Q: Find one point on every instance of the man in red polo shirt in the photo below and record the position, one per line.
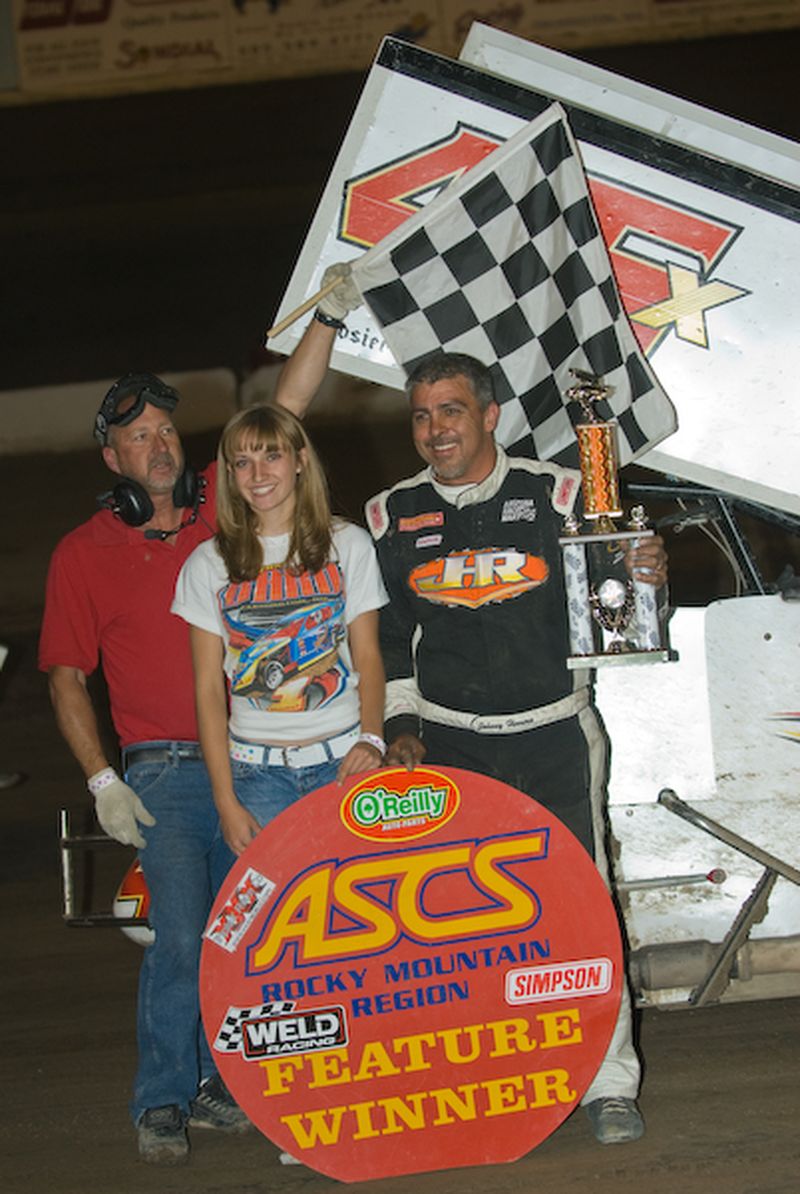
(109, 591)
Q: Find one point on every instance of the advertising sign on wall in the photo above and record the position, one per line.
(417, 971)
(65, 45)
(77, 45)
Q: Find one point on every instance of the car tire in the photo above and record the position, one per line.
(273, 675)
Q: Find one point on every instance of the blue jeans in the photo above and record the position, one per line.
(185, 862)
(266, 791)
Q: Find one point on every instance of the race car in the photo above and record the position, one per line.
(294, 643)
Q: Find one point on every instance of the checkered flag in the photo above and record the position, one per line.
(508, 265)
(229, 1037)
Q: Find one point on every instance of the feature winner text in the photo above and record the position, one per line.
(508, 1044)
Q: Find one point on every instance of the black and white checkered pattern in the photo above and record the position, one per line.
(508, 265)
(229, 1037)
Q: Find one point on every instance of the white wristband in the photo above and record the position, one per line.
(374, 740)
(101, 780)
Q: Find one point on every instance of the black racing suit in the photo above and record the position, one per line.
(475, 640)
(475, 636)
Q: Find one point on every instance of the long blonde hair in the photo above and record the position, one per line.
(270, 427)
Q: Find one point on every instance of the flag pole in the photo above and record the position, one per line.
(301, 310)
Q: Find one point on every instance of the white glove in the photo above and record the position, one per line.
(345, 297)
(119, 808)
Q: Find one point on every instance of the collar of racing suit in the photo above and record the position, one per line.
(472, 494)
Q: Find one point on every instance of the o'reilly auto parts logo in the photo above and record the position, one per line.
(399, 805)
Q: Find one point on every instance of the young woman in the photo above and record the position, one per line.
(284, 603)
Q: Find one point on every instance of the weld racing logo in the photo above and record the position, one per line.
(277, 1030)
(663, 254)
(474, 578)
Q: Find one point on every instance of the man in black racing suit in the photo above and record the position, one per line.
(475, 638)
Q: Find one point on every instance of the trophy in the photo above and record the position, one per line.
(612, 618)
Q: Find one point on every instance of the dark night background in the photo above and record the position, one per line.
(159, 230)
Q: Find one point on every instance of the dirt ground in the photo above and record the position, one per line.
(721, 1094)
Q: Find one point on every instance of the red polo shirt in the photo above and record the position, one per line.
(109, 591)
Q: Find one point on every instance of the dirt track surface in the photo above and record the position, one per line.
(721, 1094)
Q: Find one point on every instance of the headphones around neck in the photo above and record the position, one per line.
(130, 501)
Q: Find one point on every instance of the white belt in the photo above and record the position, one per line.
(293, 756)
(505, 723)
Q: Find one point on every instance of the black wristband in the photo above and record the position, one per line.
(330, 321)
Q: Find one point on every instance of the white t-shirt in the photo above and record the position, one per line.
(287, 659)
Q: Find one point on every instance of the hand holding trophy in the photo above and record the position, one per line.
(613, 618)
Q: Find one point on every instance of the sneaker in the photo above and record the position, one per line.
(162, 1136)
(213, 1107)
(615, 1120)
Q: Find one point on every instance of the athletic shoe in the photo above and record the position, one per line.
(615, 1120)
(214, 1107)
(162, 1136)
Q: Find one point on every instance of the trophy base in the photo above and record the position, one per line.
(617, 658)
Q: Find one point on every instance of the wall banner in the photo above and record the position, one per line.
(700, 215)
(75, 46)
(421, 970)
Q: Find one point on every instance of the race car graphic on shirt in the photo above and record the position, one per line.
(285, 638)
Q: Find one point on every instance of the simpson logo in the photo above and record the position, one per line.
(565, 980)
(474, 578)
(428, 541)
(420, 521)
(400, 805)
(239, 910)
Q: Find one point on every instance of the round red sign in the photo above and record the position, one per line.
(415, 972)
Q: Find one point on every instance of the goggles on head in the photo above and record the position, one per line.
(127, 398)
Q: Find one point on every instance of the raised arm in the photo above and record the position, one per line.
(304, 371)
